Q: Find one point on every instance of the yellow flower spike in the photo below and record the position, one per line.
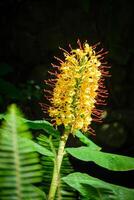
(79, 88)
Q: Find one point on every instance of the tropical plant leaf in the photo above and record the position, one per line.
(19, 164)
(95, 189)
(87, 141)
(33, 145)
(107, 160)
(44, 125)
(37, 148)
(63, 192)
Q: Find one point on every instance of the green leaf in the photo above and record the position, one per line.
(95, 189)
(39, 148)
(87, 141)
(107, 160)
(44, 125)
(19, 163)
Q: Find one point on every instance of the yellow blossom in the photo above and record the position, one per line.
(76, 89)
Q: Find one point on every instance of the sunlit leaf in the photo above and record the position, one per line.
(44, 125)
(107, 160)
(87, 141)
(95, 189)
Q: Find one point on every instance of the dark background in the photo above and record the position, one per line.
(31, 32)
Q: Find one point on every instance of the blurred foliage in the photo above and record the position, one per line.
(19, 163)
(25, 162)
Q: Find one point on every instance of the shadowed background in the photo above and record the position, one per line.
(32, 31)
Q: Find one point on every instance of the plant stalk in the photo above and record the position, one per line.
(57, 165)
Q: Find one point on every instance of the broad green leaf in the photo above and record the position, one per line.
(44, 125)
(38, 148)
(19, 163)
(107, 160)
(95, 189)
(87, 141)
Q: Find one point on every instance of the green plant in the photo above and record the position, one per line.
(39, 168)
(19, 163)
(20, 166)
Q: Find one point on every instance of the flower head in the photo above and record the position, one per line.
(78, 88)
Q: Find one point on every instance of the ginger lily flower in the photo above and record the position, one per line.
(78, 88)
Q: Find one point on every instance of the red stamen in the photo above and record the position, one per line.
(99, 51)
(51, 81)
(53, 73)
(101, 80)
(104, 53)
(43, 105)
(58, 59)
(79, 43)
(50, 84)
(105, 67)
(101, 58)
(102, 86)
(55, 66)
(48, 98)
(97, 120)
(91, 131)
(99, 103)
(103, 96)
(96, 115)
(94, 46)
(106, 75)
(70, 46)
(64, 50)
(104, 63)
(97, 112)
(102, 91)
(48, 91)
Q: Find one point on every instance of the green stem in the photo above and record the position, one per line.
(57, 165)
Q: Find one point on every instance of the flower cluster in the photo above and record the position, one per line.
(78, 88)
